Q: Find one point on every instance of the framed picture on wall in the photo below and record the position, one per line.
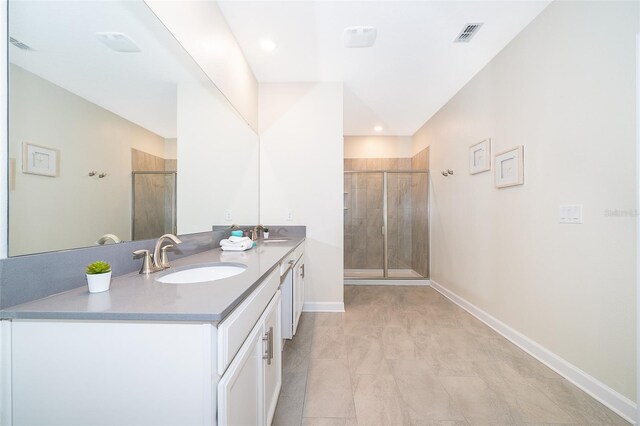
(480, 157)
(39, 160)
(509, 167)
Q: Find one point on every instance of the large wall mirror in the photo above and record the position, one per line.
(115, 133)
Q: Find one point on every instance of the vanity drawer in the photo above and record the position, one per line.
(291, 258)
(233, 331)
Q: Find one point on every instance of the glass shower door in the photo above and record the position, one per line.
(407, 238)
(364, 225)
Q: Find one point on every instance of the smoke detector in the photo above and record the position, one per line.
(468, 32)
(359, 36)
(118, 41)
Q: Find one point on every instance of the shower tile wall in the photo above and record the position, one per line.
(419, 224)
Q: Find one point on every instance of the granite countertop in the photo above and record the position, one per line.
(136, 297)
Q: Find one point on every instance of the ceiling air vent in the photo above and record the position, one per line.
(118, 42)
(359, 36)
(467, 33)
(19, 44)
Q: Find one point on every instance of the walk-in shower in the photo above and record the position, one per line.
(386, 224)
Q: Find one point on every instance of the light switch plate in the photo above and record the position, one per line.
(290, 215)
(227, 215)
(571, 213)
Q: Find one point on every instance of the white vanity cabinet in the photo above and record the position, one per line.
(292, 291)
(249, 389)
(298, 291)
(148, 372)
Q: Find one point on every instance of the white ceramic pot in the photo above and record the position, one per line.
(99, 282)
(266, 235)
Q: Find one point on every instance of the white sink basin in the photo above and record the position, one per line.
(203, 273)
(274, 241)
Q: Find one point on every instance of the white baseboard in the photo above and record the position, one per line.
(323, 307)
(617, 402)
(386, 281)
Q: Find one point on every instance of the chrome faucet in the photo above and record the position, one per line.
(160, 259)
(254, 234)
(106, 237)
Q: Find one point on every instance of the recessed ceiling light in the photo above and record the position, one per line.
(268, 45)
(377, 129)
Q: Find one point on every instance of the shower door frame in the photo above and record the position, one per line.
(385, 216)
(174, 215)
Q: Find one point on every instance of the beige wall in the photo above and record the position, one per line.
(301, 171)
(377, 147)
(565, 89)
(73, 209)
(217, 162)
(204, 33)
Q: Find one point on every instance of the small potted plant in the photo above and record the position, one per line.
(98, 276)
(265, 232)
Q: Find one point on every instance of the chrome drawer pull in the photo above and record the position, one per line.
(266, 338)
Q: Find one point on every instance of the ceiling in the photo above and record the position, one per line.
(413, 69)
(141, 87)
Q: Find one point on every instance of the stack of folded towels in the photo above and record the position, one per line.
(236, 244)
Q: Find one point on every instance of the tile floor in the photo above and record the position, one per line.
(408, 356)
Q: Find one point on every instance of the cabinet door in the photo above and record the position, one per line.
(240, 400)
(298, 292)
(273, 364)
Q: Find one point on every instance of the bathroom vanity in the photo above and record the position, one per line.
(147, 352)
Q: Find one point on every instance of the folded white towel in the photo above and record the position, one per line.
(245, 244)
(231, 241)
(238, 239)
(242, 247)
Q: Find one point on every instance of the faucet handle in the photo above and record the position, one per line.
(164, 260)
(146, 261)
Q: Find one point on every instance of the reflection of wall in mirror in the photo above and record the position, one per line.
(73, 210)
(218, 168)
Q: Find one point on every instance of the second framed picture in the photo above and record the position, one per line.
(510, 167)
(480, 157)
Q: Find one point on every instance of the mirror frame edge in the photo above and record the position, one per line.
(4, 151)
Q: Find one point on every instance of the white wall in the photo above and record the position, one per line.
(565, 89)
(301, 170)
(202, 30)
(89, 138)
(217, 162)
(378, 147)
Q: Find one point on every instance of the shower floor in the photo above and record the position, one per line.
(379, 273)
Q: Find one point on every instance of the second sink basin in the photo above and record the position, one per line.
(203, 273)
